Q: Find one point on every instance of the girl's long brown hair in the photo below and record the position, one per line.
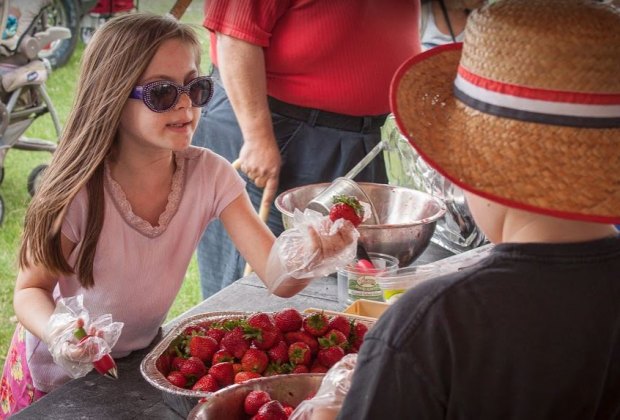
(112, 64)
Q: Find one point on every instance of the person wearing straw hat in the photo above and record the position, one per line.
(525, 116)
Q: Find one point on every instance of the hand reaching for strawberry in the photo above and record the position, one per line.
(316, 246)
(328, 246)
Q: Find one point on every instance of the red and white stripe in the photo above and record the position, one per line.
(578, 109)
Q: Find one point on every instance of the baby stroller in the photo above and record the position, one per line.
(23, 97)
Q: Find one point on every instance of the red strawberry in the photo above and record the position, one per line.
(203, 347)
(207, 383)
(341, 324)
(299, 353)
(318, 368)
(272, 410)
(278, 353)
(255, 400)
(177, 362)
(216, 333)
(222, 356)
(288, 409)
(193, 367)
(272, 370)
(246, 376)
(348, 208)
(288, 319)
(176, 378)
(356, 338)
(163, 363)
(300, 369)
(260, 320)
(316, 324)
(193, 330)
(333, 338)
(237, 367)
(329, 356)
(235, 343)
(267, 337)
(223, 373)
(255, 360)
(304, 337)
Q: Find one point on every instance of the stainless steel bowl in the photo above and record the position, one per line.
(228, 402)
(406, 217)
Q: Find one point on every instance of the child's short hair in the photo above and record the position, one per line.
(525, 112)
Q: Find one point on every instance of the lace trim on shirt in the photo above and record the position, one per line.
(124, 207)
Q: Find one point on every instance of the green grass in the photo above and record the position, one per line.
(18, 165)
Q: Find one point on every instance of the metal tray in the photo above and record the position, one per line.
(184, 400)
(180, 400)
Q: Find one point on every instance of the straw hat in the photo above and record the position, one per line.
(532, 118)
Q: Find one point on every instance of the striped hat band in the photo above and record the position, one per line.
(573, 109)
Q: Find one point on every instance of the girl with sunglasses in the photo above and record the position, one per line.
(125, 200)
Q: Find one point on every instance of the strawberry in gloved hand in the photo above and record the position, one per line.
(315, 246)
(106, 364)
(349, 208)
(78, 343)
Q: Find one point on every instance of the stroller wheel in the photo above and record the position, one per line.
(1, 210)
(34, 179)
(1, 174)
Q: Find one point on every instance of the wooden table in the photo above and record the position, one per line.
(131, 397)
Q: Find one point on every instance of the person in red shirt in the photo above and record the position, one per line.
(306, 93)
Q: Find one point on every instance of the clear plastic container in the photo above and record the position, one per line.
(356, 282)
(394, 284)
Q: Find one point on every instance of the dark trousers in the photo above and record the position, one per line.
(310, 154)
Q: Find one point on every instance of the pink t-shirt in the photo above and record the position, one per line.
(138, 268)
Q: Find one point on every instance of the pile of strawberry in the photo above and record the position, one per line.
(259, 405)
(215, 354)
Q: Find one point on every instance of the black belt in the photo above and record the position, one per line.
(327, 119)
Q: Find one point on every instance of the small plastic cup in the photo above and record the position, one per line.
(397, 282)
(357, 282)
(342, 186)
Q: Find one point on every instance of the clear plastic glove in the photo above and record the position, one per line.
(328, 400)
(76, 355)
(314, 247)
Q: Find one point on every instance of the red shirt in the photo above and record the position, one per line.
(334, 55)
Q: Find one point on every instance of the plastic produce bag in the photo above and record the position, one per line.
(314, 247)
(328, 400)
(74, 355)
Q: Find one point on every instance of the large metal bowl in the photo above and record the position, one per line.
(227, 403)
(406, 217)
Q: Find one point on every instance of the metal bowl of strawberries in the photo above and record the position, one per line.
(212, 351)
(267, 397)
(406, 218)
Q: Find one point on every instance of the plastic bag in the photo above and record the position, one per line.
(457, 230)
(328, 400)
(74, 355)
(301, 254)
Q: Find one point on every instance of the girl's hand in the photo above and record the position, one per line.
(323, 247)
(313, 248)
(75, 341)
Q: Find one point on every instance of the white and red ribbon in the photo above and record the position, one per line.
(575, 109)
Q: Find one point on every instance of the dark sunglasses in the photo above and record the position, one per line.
(163, 95)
